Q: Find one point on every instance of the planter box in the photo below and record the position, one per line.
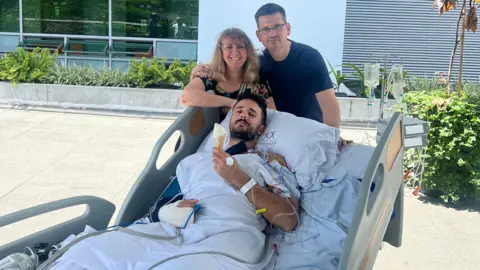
(92, 97)
(141, 99)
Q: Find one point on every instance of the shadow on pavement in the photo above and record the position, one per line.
(472, 205)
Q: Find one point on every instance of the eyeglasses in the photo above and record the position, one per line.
(275, 28)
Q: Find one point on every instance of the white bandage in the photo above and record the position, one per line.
(249, 185)
(229, 161)
(174, 215)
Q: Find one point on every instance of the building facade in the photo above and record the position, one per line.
(410, 32)
(102, 32)
(112, 32)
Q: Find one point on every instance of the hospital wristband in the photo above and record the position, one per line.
(249, 185)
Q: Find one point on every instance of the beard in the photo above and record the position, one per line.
(244, 134)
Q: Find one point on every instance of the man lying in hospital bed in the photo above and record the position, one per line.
(234, 194)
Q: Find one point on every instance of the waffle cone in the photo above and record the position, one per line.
(218, 142)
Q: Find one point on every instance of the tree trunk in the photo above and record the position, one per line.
(462, 41)
(452, 57)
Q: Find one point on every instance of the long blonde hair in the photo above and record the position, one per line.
(251, 65)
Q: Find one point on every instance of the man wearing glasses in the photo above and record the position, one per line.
(295, 73)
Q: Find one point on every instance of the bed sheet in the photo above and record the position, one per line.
(325, 216)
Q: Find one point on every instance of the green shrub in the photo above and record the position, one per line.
(146, 73)
(452, 159)
(110, 77)
(23, 66)
(414, 83)
(181, 73)
(472, 90)
(80, 75)
(139, 74)
(40, 67)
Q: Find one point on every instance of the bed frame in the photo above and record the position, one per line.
(372, 223)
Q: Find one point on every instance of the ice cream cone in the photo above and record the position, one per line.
(218, 142)
(219, 135)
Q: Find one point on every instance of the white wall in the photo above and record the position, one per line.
(318, 23)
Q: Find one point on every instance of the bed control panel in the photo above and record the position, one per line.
(415, 130)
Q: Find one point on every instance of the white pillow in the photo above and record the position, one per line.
(355, 158)
(309, 147)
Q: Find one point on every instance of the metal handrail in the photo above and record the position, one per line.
(106, 37)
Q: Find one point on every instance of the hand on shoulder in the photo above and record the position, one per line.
(201, 71)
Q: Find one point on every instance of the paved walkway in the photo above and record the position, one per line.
(46, 156)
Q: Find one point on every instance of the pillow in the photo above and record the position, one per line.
(309, 147)
(355, 158)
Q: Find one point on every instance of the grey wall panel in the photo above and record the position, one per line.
(410, 29)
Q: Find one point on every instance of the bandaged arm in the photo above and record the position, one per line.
(281, 212)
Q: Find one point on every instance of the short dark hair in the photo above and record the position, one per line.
(261, 102)
(270, 9)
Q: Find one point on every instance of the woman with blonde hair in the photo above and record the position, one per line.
(234, 69)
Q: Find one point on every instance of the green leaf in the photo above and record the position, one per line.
(359, 73)
(452, 158)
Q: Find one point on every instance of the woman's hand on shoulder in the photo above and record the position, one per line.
(202, 71)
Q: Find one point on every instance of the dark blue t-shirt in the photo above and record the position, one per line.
(295, 81)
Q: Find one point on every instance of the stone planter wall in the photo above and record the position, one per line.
(90, 97)
(139, 99)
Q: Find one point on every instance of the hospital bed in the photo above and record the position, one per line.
(378, 215)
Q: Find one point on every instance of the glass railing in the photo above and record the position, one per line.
(131, 49)
(8, 43)
(86, 47)
(96, 51)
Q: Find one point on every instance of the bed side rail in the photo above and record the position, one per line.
(97, 215)
(194, 125)
(373, 213)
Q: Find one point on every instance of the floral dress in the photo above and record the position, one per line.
(258, 89)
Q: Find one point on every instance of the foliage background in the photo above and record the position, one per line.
(40, 67)
(452, 157)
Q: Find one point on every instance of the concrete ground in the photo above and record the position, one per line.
(50, 155)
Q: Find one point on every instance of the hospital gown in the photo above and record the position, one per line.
(226, 223)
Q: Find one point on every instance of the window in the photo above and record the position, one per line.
(9, 16)
(74, 17)
(8, 43)
(172, 19)
(131, 49)
(88, 47)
